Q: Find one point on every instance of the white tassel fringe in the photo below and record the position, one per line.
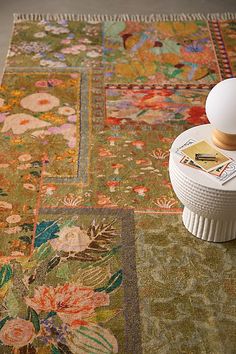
(125, 17)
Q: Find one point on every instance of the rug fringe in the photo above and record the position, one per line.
(125, 17)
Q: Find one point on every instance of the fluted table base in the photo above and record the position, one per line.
(215, 230)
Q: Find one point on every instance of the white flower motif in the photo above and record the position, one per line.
(13, 230)
(13, 219)
(40, 35)
(5, 205)
(20, 123)
(40, 102)
(60, 30)
(24, 166)
(11, 53)
(52, 64)
(93, 54)
(56, 30)
(25, 157)
(71, 239)
(66, 111)
(29, 186)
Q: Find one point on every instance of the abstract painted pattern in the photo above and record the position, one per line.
(94, 257)
(159, 52)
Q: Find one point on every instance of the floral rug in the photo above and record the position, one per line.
(94, 257)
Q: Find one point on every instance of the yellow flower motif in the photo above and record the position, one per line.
(5, 108)
(58, 120)
(16, 93)
(62, 85)
(135, 69)
(13, 101)
(47, 115)
(17, 141)
(71, 152)
(72, 82)
(51, 117)
(72, 159)
(179, 29)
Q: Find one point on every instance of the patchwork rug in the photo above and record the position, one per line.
(93, 256)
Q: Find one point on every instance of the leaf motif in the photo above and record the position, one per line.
(34, 318)
(5, 274)
(113, 283)
(2, 193)
(112, 29)
(55, 350)
(53, 263)
(45, 231)
(142, 112)
(26, 239)
(93, 277)
(27, 227)
(43, 252)
(103, 316)
(12, 304)
(103, 235)
(27, 349)
(63, 271)
(92, 339)
(3, 321)
(35, 173)
(63, 348)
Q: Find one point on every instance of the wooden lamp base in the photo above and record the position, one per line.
(223, 140)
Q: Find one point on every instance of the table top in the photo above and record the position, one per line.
(202, 132)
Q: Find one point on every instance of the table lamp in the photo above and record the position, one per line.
(221, 112)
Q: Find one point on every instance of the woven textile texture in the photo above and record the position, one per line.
(93, 255)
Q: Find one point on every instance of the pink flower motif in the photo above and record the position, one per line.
(17, 333)
(72, 118)
(41, 83)
(74, 75)
(2, 117)
(73, 304)
(72, 142)
(65, 41)
(54, 130)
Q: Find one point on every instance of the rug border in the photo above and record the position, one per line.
(124, 17)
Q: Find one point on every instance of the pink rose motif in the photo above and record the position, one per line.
(17, 333)
(41, 83)
(74, 304)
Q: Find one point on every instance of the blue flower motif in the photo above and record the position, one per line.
(194, 47)
(62, 22)
(59, 56)
(71, 36)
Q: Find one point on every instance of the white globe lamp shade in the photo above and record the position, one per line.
(221, 112)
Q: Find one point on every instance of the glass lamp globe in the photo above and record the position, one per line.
(221, 112)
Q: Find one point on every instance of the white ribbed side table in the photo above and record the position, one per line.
(209, 208)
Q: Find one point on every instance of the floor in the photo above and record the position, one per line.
(8, 7)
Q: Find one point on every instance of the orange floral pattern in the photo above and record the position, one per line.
(73, 304)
